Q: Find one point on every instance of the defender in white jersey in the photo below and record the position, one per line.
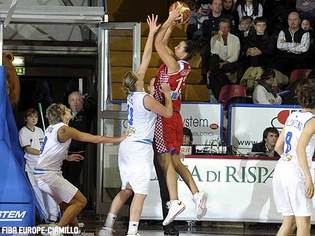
(135, 156)
(54, 150)
(31, 137)
(292, 181)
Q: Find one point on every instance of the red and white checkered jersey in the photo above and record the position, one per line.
(177, 82)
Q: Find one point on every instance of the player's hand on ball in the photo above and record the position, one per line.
(175, 14)
(75, 157)
(183, 9)
(152, 23)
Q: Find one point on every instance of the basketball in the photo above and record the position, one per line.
(184, 10)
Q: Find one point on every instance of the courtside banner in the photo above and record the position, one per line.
(238, 190)
(204, 120)
(248, 121)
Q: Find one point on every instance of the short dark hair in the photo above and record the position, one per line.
(225, 20)
(268, 130)
(244, 18)
(187, 132)
(30, 112)
(260, 19)
(267, 74)
(308, 19)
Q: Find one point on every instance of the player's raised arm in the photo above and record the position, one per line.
(147, 53)
(166, 38)
(168, 59)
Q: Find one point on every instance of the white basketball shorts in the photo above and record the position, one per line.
(289, 190)
(56, 186)
(135, 161)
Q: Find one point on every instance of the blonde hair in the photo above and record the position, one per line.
(129, 82)
(55, 112)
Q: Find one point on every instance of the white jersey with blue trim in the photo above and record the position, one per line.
(34, 139)
(53, 152)
(141, 121)
(294, 126)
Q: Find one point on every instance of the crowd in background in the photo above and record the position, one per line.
(254, 43)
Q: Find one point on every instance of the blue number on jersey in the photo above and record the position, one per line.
(130, 115)
(288, 138)
(43, 145)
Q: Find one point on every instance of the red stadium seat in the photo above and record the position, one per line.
(229, 91)
(298, 73)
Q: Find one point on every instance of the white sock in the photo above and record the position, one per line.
(133, 227)
(175, 201)
(110, 220)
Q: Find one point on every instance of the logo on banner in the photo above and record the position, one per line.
(195, 122)
(200, 127)
(279, 121)
(231, 174)
(214, 126)
(12, 215)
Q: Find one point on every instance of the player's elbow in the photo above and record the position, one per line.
(168, 114)
(158, 43)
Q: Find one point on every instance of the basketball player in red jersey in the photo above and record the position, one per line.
(169, 131)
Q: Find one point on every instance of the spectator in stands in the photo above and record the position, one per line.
(225, 49)
(251, 8)
(306, 8)
(293, 44)
(209, 28)
(267, 145)
(229, 9)
(225, 45)
(83, 110)
(276, 12)
(228, 6)
(244, 27)
(306, 25)
(259, 46)
(264, 92)
(197, 16)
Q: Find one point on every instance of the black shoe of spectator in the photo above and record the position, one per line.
(170, 230)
